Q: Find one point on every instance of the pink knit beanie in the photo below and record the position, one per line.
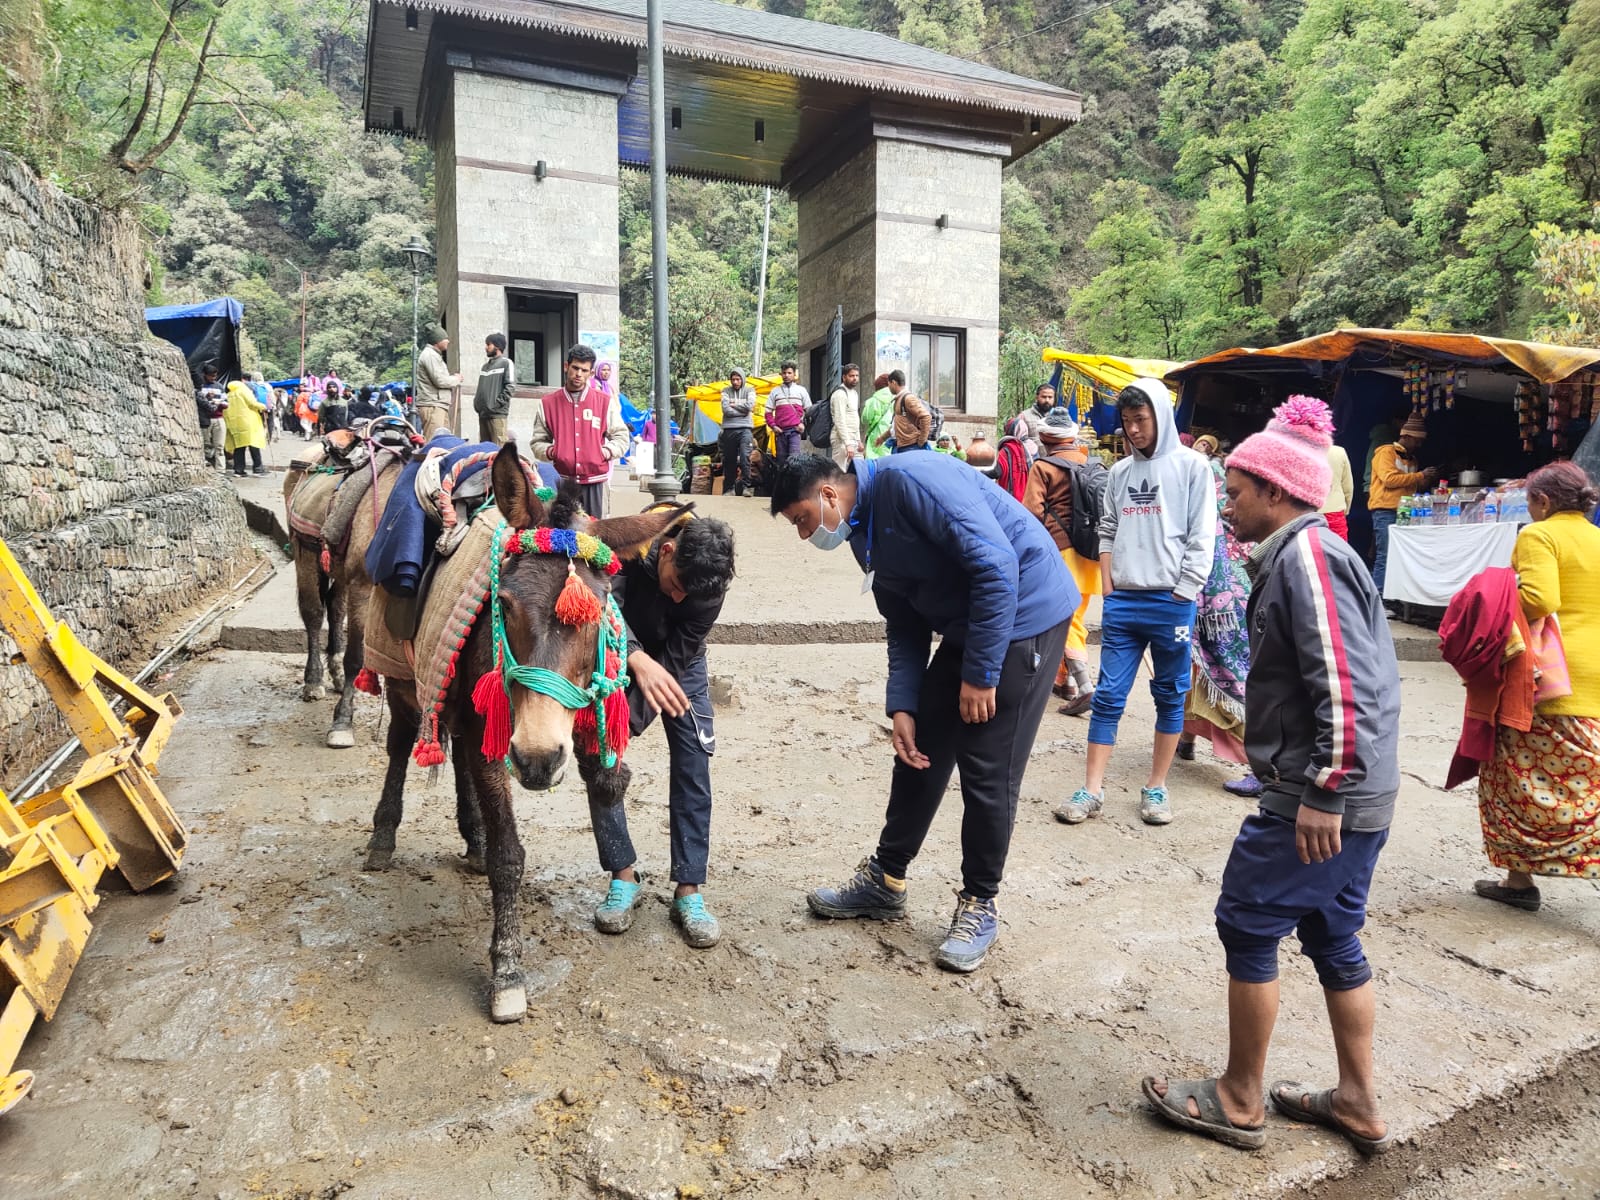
(1292, 451)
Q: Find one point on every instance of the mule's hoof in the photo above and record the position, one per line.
(341, 739)
(472, 861)
(311, 693)
(378, 860)
(509, 1004)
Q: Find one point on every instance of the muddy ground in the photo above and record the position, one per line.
(275, 1022)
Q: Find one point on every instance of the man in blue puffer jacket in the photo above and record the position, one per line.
(945, 551)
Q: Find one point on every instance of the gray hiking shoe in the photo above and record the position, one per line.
(1153, 806)
(700, 928)
(1083, 805)
(972, 934)
(615, 912)
(864, 894)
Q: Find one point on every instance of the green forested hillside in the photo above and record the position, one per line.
(1245, 172)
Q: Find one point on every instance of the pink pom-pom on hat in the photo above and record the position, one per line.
(1292, 451)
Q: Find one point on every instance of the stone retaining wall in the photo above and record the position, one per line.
(103, 495)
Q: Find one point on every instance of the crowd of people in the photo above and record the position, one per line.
(1250, 594)
(1228, 577)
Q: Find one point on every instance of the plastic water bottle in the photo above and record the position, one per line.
(1402, 511)
(1491, 507)
(1453, 508)
(1422, 510)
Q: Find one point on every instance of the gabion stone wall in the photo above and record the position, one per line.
(103, 494)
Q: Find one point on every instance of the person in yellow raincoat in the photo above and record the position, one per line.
(246, 425)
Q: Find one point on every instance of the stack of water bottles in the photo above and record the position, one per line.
(1449, 506)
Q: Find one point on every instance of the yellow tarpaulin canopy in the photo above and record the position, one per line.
(1111, 370)
(1546, 363)
(707, 397)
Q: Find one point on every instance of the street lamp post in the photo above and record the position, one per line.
(665, 484)
(418, 255)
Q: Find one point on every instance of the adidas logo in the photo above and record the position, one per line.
(1144, 492)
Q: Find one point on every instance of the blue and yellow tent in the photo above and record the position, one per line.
(1088, 383)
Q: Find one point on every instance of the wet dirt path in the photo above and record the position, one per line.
(275, 1022)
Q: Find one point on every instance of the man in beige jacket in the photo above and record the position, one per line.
(434, 383)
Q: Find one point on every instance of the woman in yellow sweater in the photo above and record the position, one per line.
(1539, 797)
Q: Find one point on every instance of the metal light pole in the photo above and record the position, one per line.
(665, 484)
(761, 292)
(418, 255)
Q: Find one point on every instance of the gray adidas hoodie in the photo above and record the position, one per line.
(1160, 515)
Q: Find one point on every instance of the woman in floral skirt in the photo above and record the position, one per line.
(1539, 797)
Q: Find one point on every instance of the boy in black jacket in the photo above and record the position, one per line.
(670, 599)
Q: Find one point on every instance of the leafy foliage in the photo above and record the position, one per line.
(1246, 171)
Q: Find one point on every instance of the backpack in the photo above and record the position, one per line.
(1088, 484)
(818, 425)
(935, 421)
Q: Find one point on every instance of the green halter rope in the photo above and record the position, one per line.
(611, 637)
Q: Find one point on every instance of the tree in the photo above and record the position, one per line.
(1567, 267)
(174, 51)
(1135, 304)
(1226, 120)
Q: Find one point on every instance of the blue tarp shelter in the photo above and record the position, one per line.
(207, 333)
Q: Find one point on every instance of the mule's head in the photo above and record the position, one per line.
(541, 727)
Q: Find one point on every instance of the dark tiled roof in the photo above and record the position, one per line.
(753, 38)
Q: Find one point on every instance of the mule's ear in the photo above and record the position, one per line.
(629, 537)
(513, 490)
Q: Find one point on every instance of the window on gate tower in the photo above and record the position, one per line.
(938, 366)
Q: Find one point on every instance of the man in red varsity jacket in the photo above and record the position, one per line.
(579, 429)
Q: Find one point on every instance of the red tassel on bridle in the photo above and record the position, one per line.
(494, 706)
(325, 561)
(577, 605)
(367, 681)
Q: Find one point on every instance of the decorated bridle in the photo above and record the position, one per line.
(601, 723)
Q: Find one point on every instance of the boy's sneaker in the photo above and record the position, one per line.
(700, 928)
(972, 934)
(615, 914)
(1153, 806)
(1083, 805)
(864, 894)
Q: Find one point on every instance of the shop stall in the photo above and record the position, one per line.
(1494, 408)
(1088, 385)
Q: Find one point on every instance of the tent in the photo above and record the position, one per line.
(208, 334)
(1466, 386)
(706, 413)
(1089, 383)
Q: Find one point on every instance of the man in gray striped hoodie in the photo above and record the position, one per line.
(1322, 716)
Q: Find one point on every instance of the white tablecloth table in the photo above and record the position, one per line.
(1428, 564)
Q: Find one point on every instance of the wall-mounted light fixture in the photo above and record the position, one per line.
(411, 16)
(944, 221)
(677, 117)
(398, 124)
(761, 131)
(1033, 126)
(540, 170)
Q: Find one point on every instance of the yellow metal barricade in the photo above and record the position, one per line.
(55, 847)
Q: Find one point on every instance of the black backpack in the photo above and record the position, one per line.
(1088, 483)
(818, 426)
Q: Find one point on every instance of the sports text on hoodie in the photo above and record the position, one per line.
(1160, 518)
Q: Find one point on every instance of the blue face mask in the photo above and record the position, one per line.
(824, 538)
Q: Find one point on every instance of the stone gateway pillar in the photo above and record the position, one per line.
(905, 234)
(526, 194)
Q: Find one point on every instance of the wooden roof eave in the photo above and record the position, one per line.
(740, 52)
